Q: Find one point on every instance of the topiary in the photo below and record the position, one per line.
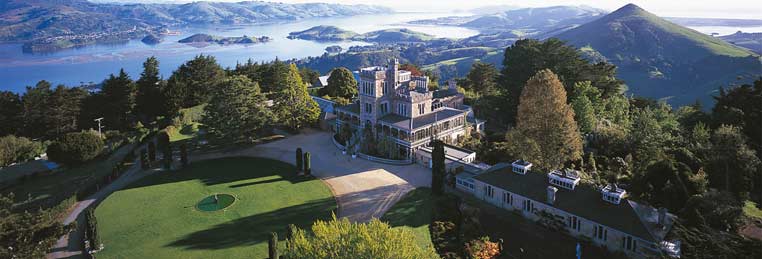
(299, 159)
(307, 163)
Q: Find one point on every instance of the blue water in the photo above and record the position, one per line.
(94, 63)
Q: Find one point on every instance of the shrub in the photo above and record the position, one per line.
(162, 139)
(184, 155)
(299, 159)
(307, 163)
(482, 248)
(91, 229)
(18, 149)
(151, 151)
(76, 147)
(144, 159)
(272, 246)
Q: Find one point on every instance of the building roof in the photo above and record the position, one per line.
(452, 152)
(585, 201)
(323, 81)
(326, 105)
(403, 122)
(353, 108)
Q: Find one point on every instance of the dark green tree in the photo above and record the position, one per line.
(272, 246)
(167, 154)
(192, 83)
(526, 57)
(64, 110)
(482, 78)
(11, 113)
(341, 83)
(91, 229)
(237, 110)
(149, 97)
(740, 106)
(119, 100)
(299, 159)
(36, 102)
(437, 167)
(732, 164)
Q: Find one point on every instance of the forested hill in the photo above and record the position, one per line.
(660, 59)
(23, 20)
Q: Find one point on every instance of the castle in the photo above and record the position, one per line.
(397, 105)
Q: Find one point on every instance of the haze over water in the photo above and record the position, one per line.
(94, 63)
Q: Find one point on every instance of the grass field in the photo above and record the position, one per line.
(413, 212)
(156, 217)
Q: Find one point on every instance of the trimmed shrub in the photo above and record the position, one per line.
(75, 147)
(162, 139)
(299, 158)
(167, 157)
(151, 151)
(307, 163)
(184, 155)
(91, 229)
(144, 159)
(272, 246)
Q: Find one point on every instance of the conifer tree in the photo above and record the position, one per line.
(437, 167)
(119, 99)
(237, 110)
(293, 104)
(545, 118)
(149, 98)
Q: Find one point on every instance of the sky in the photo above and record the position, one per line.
(741, 9)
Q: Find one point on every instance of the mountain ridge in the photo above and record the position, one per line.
(660, 59)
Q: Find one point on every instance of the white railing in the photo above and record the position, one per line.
(385, 161)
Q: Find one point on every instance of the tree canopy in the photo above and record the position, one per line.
(294, 107)
(237, 109)
(341, 83)
(149, 98)
(546, 119)
(341, 239)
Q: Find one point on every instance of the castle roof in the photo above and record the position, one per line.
(423, 121)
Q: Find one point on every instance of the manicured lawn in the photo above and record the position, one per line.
(750, 209)
(157, 216)
(413, 212)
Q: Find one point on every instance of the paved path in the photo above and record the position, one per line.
(363, 189)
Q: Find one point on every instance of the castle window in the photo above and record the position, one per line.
(573, 223)
(507, 198)
(528, 206)
(384, 108)
(601, 232)
(489, 191)
(629, 243)
(368, 108)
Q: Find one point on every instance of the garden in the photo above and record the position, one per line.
(224, 208)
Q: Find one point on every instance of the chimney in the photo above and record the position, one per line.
(662, 217)
(552, 194)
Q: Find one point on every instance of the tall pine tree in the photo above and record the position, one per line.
(11, 111)
(545, 118)
(149, 98)
(119, 97)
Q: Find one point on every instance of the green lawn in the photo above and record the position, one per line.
(750, 209)
(49, 190)
(413, 212)
(156, 217)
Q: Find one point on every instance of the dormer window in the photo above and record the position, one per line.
(613, 194)
(521, 166)
(567, 179)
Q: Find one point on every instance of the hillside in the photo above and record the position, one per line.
(660, 59)
(752, 41)
(206, 38)
(333, 33)
(323, 33)
(528, 20)
(27, 20)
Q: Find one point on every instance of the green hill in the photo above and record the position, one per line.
(660, 59)
(394, 36)
(323, 33)
(333, 33)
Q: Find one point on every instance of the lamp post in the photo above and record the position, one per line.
(99, 126)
